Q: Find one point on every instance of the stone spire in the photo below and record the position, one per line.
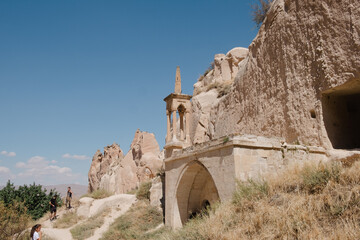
(177, 81)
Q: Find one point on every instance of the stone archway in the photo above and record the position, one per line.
(196, 189)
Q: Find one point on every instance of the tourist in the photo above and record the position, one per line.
(68, 198)
(35, 233)
(53, 204)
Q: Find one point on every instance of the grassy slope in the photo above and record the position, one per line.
(313, 202)
(136, 223)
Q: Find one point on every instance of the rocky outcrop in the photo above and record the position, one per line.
(222, 71)
(90, 207)
(210, 88)
(117, 173)
(157, 192)
(300, 80)
(101, 163)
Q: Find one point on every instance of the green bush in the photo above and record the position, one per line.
(34, 198)
(144, 191)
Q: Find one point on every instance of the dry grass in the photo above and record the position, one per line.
(67, 220)
(86, 229)
(98, 194)
(312, 202)
(144, 191)
(136, 223)
(222, 88)
(13, 220)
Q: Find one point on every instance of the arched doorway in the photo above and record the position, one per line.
(195, 190)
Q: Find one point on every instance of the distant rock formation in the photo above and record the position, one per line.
(117, 173)
(300, 80)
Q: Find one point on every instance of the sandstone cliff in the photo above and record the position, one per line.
(300, 80)
(117, 173)
(214, 84)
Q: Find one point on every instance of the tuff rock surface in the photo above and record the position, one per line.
(304, 51)
(117, 173)
(211, 87)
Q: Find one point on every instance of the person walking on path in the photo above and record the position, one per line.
(35, 233)
(53, 205)
(68, 198)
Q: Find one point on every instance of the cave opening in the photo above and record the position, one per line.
(341, 114)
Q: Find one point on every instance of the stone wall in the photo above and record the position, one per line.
(207, 172)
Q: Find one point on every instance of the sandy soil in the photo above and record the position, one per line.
(64, 234)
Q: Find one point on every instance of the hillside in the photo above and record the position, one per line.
(77, 189)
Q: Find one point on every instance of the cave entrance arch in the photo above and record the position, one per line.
(195, 191)
(341, 114)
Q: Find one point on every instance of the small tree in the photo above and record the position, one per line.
(33, 197)
(13, 220)
(260, 10)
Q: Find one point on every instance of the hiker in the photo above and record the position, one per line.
(53, 204)
(68, 198)
(35, 233)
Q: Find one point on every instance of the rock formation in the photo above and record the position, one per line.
(211, 87)
(300, 80)
(117, 173)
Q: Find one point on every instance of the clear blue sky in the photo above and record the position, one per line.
(76, 76)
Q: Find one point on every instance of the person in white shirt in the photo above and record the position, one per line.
(35, 233)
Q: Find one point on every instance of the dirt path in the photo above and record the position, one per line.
(115, 213)
(58, 233)
(64, 233)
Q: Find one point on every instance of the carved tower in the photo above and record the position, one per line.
(178, 105)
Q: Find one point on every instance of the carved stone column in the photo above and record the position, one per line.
(181, 114)
(187, 127)
(168, 116)
(174, 125)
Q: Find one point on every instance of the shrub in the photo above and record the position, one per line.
(144, 191)
(13, 220)
(222, 88)
(99, 194)
(33, 197)
(250, 190)
(315, 179)
(260, 10)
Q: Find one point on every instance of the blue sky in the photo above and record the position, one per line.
(77, 75)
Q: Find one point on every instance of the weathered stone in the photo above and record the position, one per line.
(90, 207)
(299, 83)
(118, 174)
(225, 68)
(300, 78)
(156, 192)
